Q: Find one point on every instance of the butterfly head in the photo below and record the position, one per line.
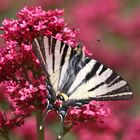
(61, 97)
(79, 48)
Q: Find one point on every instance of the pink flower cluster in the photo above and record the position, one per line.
(26, 97)
(6, 123)
(94, 112)
(33, 22)
(22, 81)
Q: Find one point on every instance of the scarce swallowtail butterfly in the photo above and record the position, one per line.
(75, 79)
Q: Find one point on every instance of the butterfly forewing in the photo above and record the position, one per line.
(52, 54)
(92, 80)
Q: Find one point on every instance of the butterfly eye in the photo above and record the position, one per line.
(60, 97)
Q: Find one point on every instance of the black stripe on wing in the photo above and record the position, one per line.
(111, 78)
(116, 80)
(64, 53)
(93, 71)
(113, 97)
(53, 45)
(103, 69)
(49, 45)
(97, 86)
(61, 46)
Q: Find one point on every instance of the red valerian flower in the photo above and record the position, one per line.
(9, 121)
(94, 111)
(32, 22)
(26, 97)
(106, 130)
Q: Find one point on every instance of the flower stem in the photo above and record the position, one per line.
(39, 118)
(5, 135)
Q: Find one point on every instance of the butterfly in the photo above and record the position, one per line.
(75, 79)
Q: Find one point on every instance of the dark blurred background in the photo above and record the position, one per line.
(111, 31)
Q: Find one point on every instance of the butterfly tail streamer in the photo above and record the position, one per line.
(63, 129)
(45, 116)
(61, 133)
(43, 122)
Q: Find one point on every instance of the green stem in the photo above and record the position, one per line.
(5, 135)
(39, 118)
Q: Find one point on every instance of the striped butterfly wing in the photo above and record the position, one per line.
(86, 79)
(52, 54)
